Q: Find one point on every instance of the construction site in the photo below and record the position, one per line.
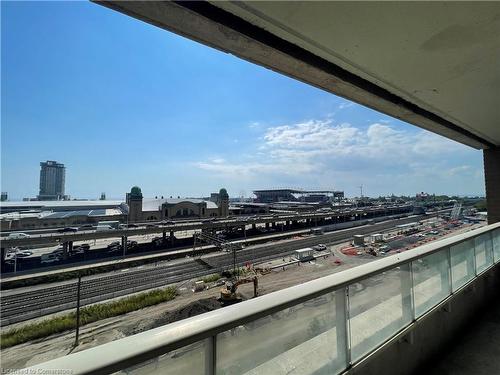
(240, 280)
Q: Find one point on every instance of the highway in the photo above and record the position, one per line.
(20, 305)
(157, 228)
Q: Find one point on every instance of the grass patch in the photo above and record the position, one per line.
(88, 315)
(211, 278)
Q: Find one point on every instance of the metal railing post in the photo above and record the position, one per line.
(450, 280)
(342, 324)
(211, 355)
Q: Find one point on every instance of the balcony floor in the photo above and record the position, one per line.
(477, 352)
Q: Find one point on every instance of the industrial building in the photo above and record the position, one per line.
(55, 214)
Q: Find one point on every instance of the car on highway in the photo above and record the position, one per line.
(132, 226)
(86, 227)
(17, 236)
(68, 230)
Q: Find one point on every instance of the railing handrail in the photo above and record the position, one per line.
(141, 347)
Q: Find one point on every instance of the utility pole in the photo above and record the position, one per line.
(78, 309)
(361, 191)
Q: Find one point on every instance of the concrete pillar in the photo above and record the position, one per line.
(172, 237)
(245, 231)
(164, 236)
(65, 250)
(273, 224)
(267, 225)
(254, 227)
(492, 183)
(124, 245)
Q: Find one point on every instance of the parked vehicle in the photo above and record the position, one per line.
(167, 222)
(159, 241)
(103, 228)
(49, 258)
(131, 244)
(77, 251)
(68, 230)
(115, 249)
(18, 235)
(319, 247)
(84, 246)
(113, 244)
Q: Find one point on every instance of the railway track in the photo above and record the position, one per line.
(27, 305)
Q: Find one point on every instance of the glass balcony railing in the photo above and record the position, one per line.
(319, 327)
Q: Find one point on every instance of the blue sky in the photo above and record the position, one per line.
(123, 103)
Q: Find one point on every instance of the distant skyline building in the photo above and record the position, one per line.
(52, 180)
(4, 196)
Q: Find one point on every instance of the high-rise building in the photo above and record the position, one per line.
(52, 178)
(4, 196)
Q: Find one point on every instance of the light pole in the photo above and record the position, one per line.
(78, 310)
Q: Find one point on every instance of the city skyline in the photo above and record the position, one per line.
(116, 122)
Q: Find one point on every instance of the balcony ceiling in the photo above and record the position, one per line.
(433, 64)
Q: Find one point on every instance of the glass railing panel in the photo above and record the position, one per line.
(496, 244)
(190, 359)
(431, 281)
(303, 338)
(462, 263)
(484, 252)
(379, 307)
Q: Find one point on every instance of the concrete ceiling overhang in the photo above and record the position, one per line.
(432, 64)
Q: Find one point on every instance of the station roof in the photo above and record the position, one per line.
(61, 214)
(58, 205)
(431, 64)
(153, 204)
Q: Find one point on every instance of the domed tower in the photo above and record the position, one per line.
(223, 203)
(134, 202)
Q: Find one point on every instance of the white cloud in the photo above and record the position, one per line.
(345, 105)
(255, 125)
(318, 150)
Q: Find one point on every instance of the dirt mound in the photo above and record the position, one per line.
(194, 308)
